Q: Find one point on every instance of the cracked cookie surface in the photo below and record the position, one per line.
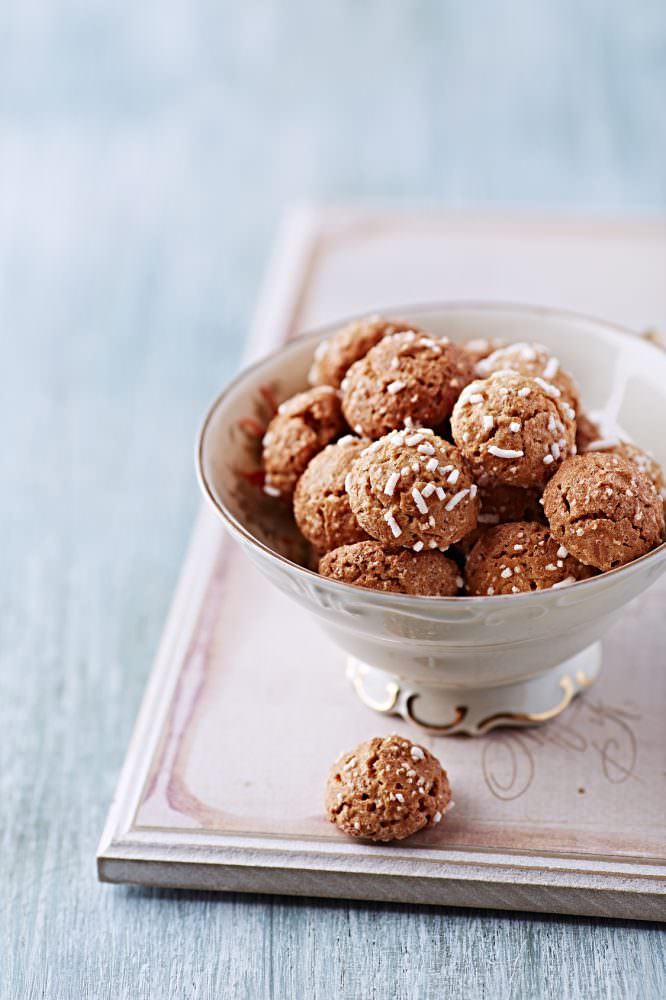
(603, 510)
(392, 569)
(408, 378)
(385, 789)
(513, 429)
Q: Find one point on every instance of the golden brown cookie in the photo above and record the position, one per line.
(513, 429)
(378, 566)
(603, 510)
(386, 789)
(643, 460)
(321, 504)
(412, 488)
(335, 355)
(518, 558)
(533, 360)
(407, 378)
(303, 425)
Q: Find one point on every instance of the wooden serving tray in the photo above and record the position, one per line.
(248, 702)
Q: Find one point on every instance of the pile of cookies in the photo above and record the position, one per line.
(421, 466)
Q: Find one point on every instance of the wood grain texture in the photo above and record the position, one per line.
(145, 153)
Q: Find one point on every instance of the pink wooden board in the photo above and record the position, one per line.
(248, 703)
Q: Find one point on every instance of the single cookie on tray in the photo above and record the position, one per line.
(303, 425)
(321, 505)
(335, 355)
(604, 510)
(513, 429)
(378, 566)
(533, 360)
(387, 788)
(412, 488)
(407, 378)
(520, 557)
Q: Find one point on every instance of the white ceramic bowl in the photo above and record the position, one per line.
(448, 664)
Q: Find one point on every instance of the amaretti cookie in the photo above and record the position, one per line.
(520, 557)
(378, 566)
(513, 429)
(321, 505)
(335, 355)
(386, 789)
(412, 488)
(406, 378)
(603, 510)
(643, 460)
(533, 360)
(303, 425)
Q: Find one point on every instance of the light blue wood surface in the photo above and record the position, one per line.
(146, 151)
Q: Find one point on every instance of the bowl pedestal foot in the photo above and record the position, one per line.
(476, 710)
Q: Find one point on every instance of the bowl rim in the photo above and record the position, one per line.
(452, 305)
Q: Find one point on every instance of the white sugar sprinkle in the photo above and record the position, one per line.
(506, 572)
(525, 391)
(547, 387)
(348, 482)
(504, 452)
(490, 591)
(473, 490)
(396, 530)
(347, 439)
(391, 483)
(475, 397)
(518, 548)
(399, 797)
(440, 492)
(488, 422)
(579, 531)
(555, 450)
(547, 459)
(419, 501)
(358, 429)
(404, 471)
(396, 386)
(417, 546)
(431, 465)
(551, 567)
(272, 491)
(514, 426)
(414, 439)
(428, 490)
(417, 753)
(455, 499)
(551, 369)
(426, 448)
(453, 477)
(416, 467)
(562, 552)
